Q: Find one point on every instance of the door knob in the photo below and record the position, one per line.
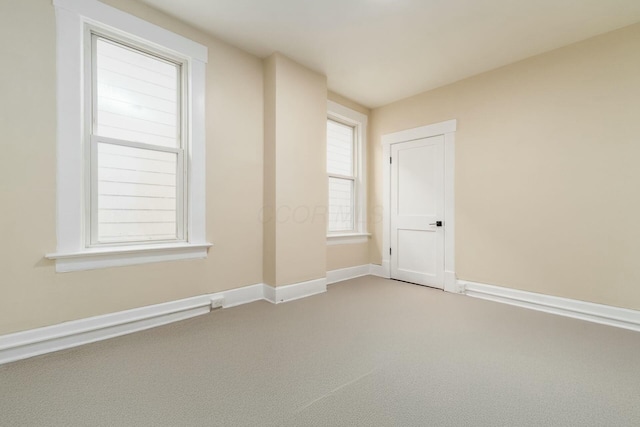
(437, 223)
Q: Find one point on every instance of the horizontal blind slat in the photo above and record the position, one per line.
(137, 229)
(136, 203)
(114, 175)
(131, 216)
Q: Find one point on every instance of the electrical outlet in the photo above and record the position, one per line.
(217, 302)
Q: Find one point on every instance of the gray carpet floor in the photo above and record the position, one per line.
(369, 352)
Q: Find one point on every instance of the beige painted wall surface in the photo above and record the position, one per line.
(347, 255)
(547, 170)
(300, 174)
(344, 256)
(269, 198)
(31, 293)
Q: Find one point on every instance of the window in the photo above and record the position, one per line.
(130, 140)
(346, 208)
(342, 178)
(136, 145)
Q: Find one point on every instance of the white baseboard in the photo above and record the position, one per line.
(243, 295)
(598, 313)
(335, 276)
(380, 270)
(451, 284)
(269, 293)
(296, 291)
(34, 342)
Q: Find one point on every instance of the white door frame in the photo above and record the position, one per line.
(447, 129)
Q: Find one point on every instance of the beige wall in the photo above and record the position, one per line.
(31, 293)
(347, 255)
(269, 198)
(296, 102)
(547, 170)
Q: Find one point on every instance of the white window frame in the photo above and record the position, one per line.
(92, 34)
(347, 116)
(74, 18)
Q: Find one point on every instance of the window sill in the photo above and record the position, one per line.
(347, 238)
(95, 258)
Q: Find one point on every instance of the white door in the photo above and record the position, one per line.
(417, 211)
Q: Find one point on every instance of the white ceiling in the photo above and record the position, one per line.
(379, 51)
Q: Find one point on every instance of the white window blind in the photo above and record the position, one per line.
(341, 174)
(137, 154)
